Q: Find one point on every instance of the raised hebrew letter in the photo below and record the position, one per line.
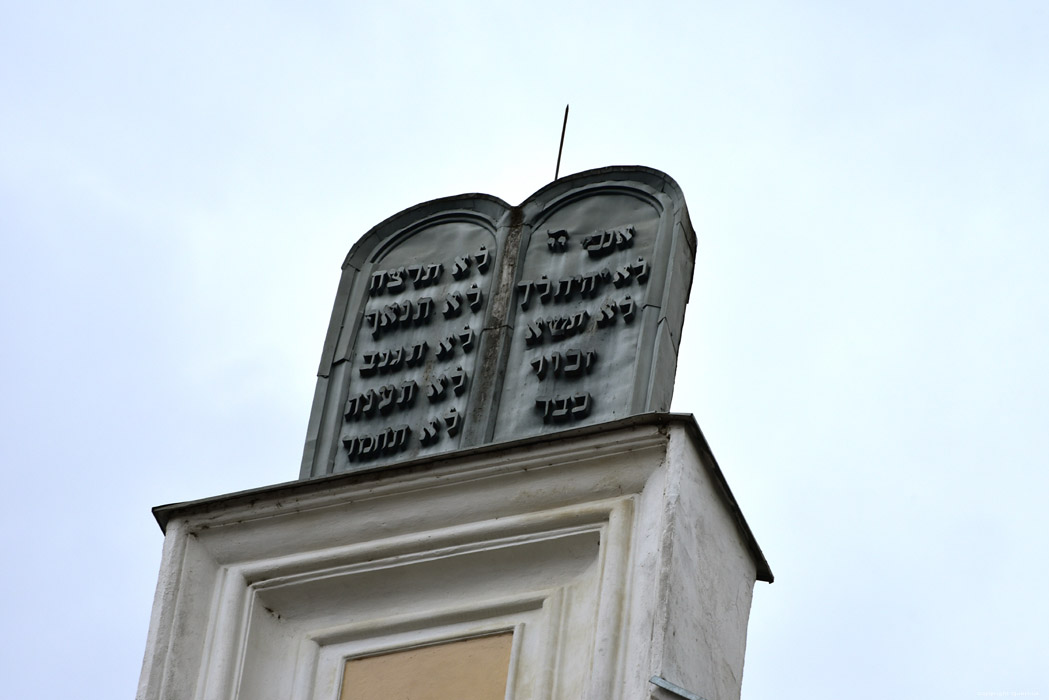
(474, 297)
(453, 422)
(544, 288)
(386, 395)
(535, 332)
(458, 381)
(607, 314)
(466, 339)
(406, 395)
(453, 305)
(524, 293)
(446, 348)
(483, 259)
(417, 354)
(626, 307)
(396, 280)
(557, 241)
(461, 268)
(564, 408)
(431, 432)
(570, 364)
(640, 270)
(435, 392)
(423, 309)
(622, 276)
(378, 283)
(369, 364)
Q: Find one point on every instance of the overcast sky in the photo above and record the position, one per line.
(865, 346)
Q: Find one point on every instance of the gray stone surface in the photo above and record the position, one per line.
(464, 321)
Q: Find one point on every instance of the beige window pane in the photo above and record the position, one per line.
(468, 669)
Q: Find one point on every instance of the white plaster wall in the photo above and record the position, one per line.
(611, 555)
(708, 583)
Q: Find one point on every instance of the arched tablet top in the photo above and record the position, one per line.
(566, 189)
(656, 179)
(487, 210)
(389, 243)
(494, 208)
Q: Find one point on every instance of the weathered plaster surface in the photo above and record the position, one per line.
(611, 553)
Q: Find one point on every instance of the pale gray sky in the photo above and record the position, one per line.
(865, 347)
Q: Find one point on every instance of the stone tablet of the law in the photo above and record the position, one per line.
(465, 321)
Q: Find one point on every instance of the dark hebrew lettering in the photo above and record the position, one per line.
(578, 362)
(386, 395)
(414, 272)
(640, 270)
(417, 354)
(394, 316)
(622, 276)
(563, 289)
(564, 408)
(626, 274)
(369, 445)
(385, 321)
(610, 309)
(474, 297)
(534, 332)
(557, 241)
(406, 394)
(483, 260)
(458, 380)
(390, 361)
(602, 243)
(384, 400)
(397, 438)
(453, 422)
(466, 339)
(377, 283)
(360, 405)
(423, 310)
(396, 280)
(369, 401)
(544, 288)
(453, 305)
(461, 267)
(352, 445)
(563, 327)
(365, 447)
(435, 392)
(525, 292)
(403, 313)
(369, 364)
(606, 314)
(425, 275)
(446, 348)
(626, 307)
(571, 363)
(353, 408)
(431, 431)
(586, 286)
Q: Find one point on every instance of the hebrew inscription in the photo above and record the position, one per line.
(465, 320)
(419, 325)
